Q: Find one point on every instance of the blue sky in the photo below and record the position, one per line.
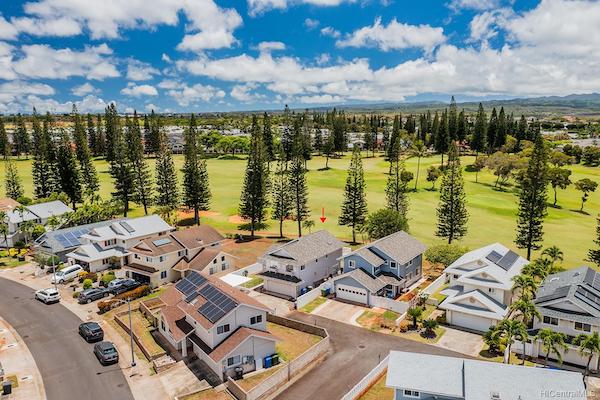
(222, 55)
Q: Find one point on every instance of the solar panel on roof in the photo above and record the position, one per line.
(211, 312)
(558, 293)
(127, 227)
(508, 260)
(588, 297)
(161, 242)
(494, 256)
(192, 296)
(217, 303)
(186, 287)
(196, 278)
(592, 278)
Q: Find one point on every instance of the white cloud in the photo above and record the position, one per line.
(331, 32)
(6, 59)
(7, 30)
(134, 90)
(311, 24)
(82, 90)
(323, 58)
(42, 61)
(149, 107)
(395, 36)
(257, 7)
(246, 92)
(266, 47)
(165, 57)
(169, 84)
(185, 95)
(140, 71)
(61, 26)
(479, 5)
(208, 25)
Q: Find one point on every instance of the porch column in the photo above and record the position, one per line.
(184, 347)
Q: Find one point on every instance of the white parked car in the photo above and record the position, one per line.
(114, 283)
(49, 295)
(67, 274)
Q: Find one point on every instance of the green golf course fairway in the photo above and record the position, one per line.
(492, 213)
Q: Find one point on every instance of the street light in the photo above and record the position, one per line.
(54, 273)
(130, 329)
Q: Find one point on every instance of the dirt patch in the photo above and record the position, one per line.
(248, 251)
(236, 219)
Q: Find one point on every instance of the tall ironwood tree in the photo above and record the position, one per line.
(354, 206)
(167, 191)
(452, 211)
(396, 188)
(141, 175)
(120, 167)
(89, 176)
(533, 194)
(299, 187)
(282, 196)
(13, 186)
(196, 190)
(69, 172)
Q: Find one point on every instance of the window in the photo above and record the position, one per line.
(550, 320)
(162, 325)
(223, 266)
(161, 258)
(411, 393)
(579, 326)
(163, 274)
(212, 270)
(233, 361)
(222, 329)
(256, 320)
(393, 265)
(215, 261)
(136, 256)
(491, 290)
(350, 263)
(148, 259)
(182, 253)
(418, 271)
(455, 276)
(222, 258)
(302, 267)
(289, 268)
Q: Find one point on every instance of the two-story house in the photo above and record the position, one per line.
(167, 258)
(223, 326)
(291, 268)
(568, 302)
(480, 286)
(37, 213)
(109, 245)
(382, 268)
(428, 377)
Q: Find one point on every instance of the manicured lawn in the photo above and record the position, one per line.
(310, 307)
(378, 391)
(485, 355)
(492, 213)
(291, 342)
(254, 281)
(10, 262)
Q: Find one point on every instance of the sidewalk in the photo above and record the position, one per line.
(18, 361)
(143, 382)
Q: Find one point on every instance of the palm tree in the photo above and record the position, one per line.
(589, 345)
(555, 255)
(552, 342)
(525, 284)
(27, 228)
(492, 340)
(415, 313)
(430, 325)
(418, 150)
(526, 309)
(539, 269)
(509, 330)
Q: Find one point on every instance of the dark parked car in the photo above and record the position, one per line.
(125, 286)
(91, 332)
(89, 295)
(106, 353)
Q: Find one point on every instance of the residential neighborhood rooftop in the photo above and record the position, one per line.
(130, 228)
(399, 246)
(306, 248)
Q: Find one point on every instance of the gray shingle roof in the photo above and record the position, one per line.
(576, 286)
(399, 246)
(309, 247)
(370, 283)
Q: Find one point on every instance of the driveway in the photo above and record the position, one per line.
(354, 352)
(68, 367)
(461, 341)
(279, 306)
(338, 311)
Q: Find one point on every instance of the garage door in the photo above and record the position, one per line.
(471, 321)
(351, 293)
(280, 287)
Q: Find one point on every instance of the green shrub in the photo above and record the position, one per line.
(106, 278)
(141, 291)
(76, 294)
(87, 283)
(84, 275)
(445, 254)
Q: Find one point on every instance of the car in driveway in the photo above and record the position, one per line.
(67, 274)
(124, 286)
(89, 295)
(106, 353)
(91, 332)
(48, 296)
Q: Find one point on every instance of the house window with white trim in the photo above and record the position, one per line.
(233, 361)
(550, 320)
(182, 253)
(580, 326)
(161, 258)
(256, 320)
(491, 290)
(411, 393)
(163, 274)
(350, 263)
(222, 329)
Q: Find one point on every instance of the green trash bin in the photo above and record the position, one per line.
(6, 387)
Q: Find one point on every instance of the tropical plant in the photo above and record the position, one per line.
(492, 340)
(552, 342)
(415, 313)
(539, 269)
(555, 254)
(509, 330)
(589, 345)
(430, 325)
(525, 284)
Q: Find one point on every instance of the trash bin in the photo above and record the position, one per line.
(275, 359)
(6, 387)
(239, 372)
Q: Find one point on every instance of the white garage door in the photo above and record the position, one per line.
(351, 293)
(280, 287)
(471, 321)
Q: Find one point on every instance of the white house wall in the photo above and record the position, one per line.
(239, 317)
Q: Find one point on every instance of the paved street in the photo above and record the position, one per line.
(66, 362)
(355, 351)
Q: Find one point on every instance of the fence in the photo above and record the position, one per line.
(390, 304)
(249, 270)
(435, 285)
(288, 372)
(307, 297)
(368, 381)
(138, 341)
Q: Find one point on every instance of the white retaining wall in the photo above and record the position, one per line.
(249, 270)
(367, 381)
(390, 304)
(435, 285)
(307, 297)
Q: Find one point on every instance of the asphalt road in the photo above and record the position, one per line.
(69, 369)
(354, 352)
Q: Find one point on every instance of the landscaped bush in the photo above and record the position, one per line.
(445, 254)
(107, 305)
(404, 326)
(87, 283)
(84, 275)
(76, 294)
(141, 291)
(107, 278)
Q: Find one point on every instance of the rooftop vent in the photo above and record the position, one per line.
(495, 396)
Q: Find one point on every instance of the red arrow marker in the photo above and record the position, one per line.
(323, 217)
